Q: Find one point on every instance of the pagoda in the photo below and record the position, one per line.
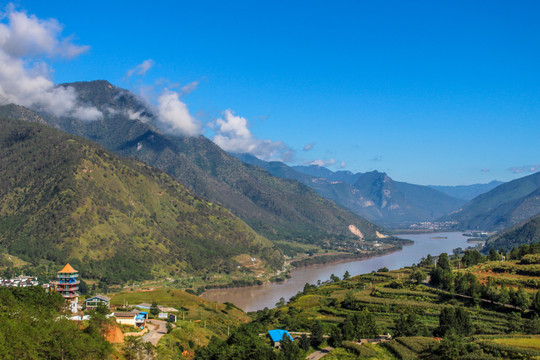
(68, 285)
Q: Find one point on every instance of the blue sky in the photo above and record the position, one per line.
(429, 92)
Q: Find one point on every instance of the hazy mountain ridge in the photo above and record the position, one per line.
(501, 207)
(467, 192)
(67, 199)
(276, 208)
(373, 195)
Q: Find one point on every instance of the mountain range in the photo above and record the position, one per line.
(64, 198)
(502, 207)
(373, 195)
(467, 192)
(279, 209)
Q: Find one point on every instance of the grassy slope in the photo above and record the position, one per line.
(372, 291)
(65, 198)
(198, 319)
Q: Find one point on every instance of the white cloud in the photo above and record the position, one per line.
(174, 115)
(233, 135)
(309, 146)
(527, 168)
(87, 113)
(24, 78)
(142, 68)
(189, 88)
(343, 165)
(484, 170)
(28, 36)
(320, 162)
(138, 115)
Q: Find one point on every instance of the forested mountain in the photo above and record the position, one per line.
(504, 206)
(373, 195)
(276, 208)
(12, 111)
(525, 233)
(64, 198)
(467, 192)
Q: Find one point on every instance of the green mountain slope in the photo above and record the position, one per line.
(276, 208)
(373, 195)
(67, 199)
(525, 233)
(504, 206)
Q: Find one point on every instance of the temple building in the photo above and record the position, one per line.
(68, 285)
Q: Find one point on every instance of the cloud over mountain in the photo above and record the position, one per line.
(174, 115)
(25, 77)
(233, 135)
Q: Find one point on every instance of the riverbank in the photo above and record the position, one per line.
(268, 294)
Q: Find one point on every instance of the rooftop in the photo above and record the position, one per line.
(278, 334)
(68, 269)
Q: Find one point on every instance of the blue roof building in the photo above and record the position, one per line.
(277, 335)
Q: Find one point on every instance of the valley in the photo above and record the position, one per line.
(269, 181)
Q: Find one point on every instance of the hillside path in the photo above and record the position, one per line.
(319, 354)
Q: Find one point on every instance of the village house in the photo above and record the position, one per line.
(93, 302)
(20, 281)
(276, 336)
(134, 318)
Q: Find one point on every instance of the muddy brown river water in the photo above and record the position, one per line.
(255, 298)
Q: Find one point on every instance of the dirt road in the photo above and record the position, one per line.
(158, 328)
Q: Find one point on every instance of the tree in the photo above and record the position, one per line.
(346, 275)
(522, 299)
(504, 296)
(304, 342)
(472, 257)
(336, 338)
(316, 334)
(410, 325)
(348, 329)
(536, 303)
(133, 348)
(154, 310)
(418, 276)
(454, 319)
(452, 346)
(334, 278)
(493, 255)
(443, 262)
(290, 350)
(427, 261)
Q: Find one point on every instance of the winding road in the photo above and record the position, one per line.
(158, 328)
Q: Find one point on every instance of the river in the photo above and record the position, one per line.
(253, 298)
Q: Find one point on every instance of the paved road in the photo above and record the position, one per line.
(158, 328)
(319, 354)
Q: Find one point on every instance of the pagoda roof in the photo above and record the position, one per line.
(68, 269)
